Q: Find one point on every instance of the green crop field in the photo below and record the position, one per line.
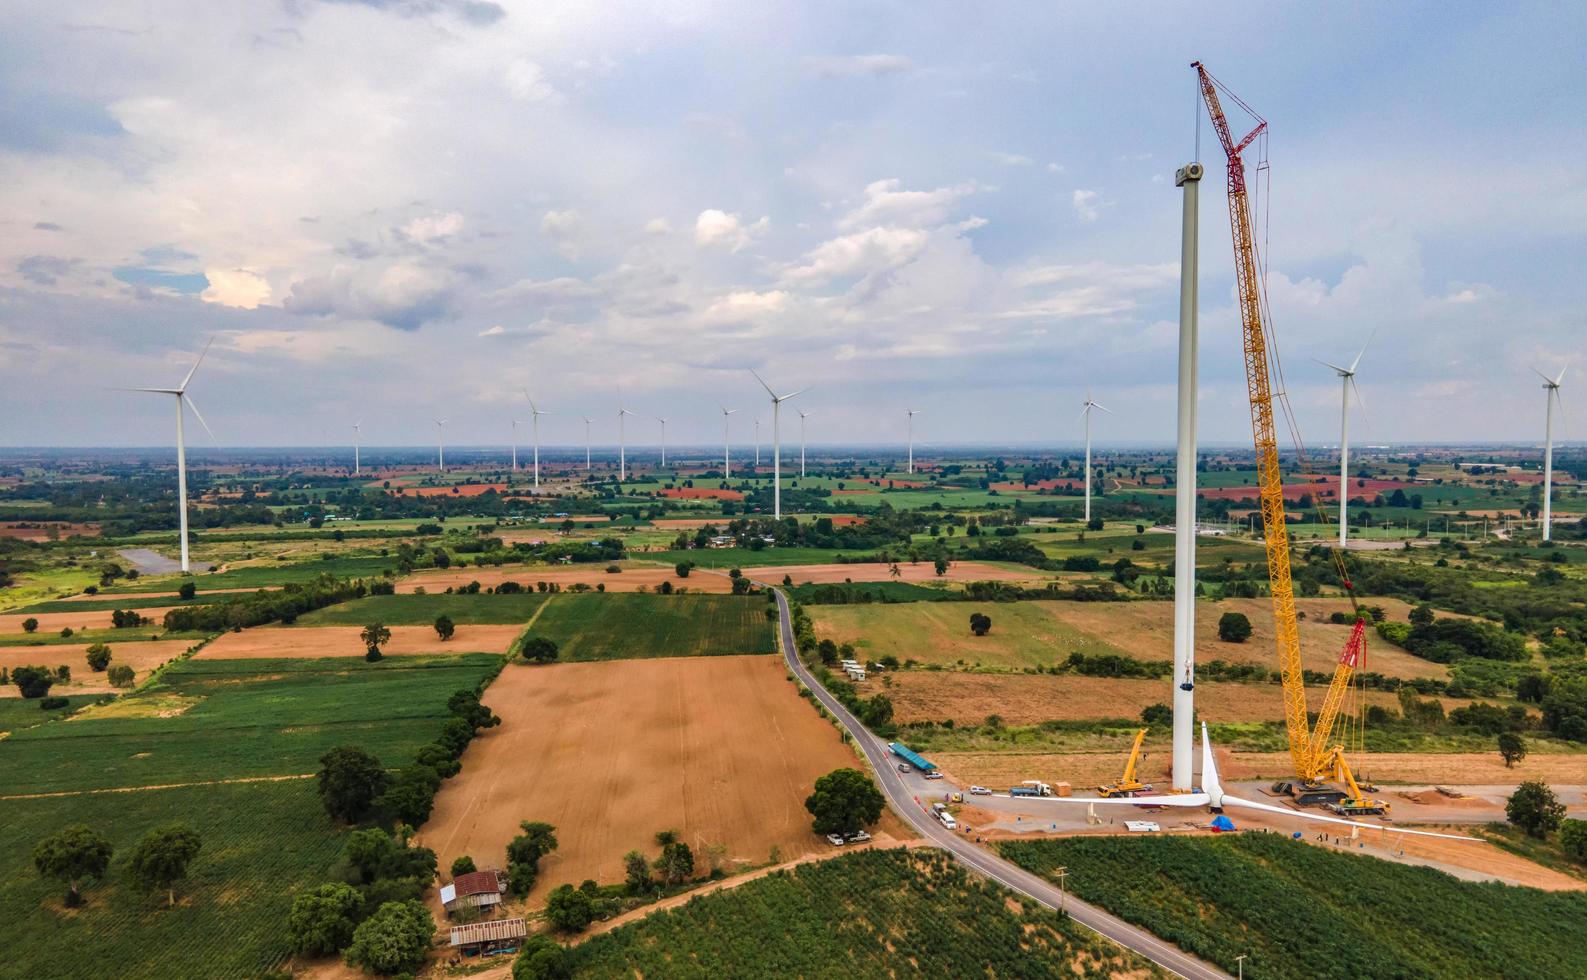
(621, 626)
(18, 713)
(1024, 634)
(113, 602)
(421, 610)
(838, 593)
(262, 843)
(129, 635)
(263, 576)
(1303, 911)
(867, 914)
(220, 719)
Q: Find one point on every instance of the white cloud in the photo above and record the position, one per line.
(496, 330)
(1056, 168)
(747, 304)
(566, 229)
(526, 82)
(718, 228)
(851, 66)
(658, 226)
(873, 250)
(403, 295)
(887, 203)
(433, 228)
(1087, 205)
(971, 223)
(242, 288)
(1013, 159)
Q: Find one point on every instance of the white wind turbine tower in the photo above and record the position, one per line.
(663, 441)
(587, 421)
(912, 413)
(181, 444)
(802, 417)
(1551, 393)
(776, 443)
(727, 457)
(1085, 413)
(440, 444)
(534, 423)
(1347, 381)
(357, 437)
(622, 448)
(757, 445)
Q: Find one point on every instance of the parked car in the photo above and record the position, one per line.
(858, 837)
(980, 791)
(905, 767)
(836, 840)
(933, 774)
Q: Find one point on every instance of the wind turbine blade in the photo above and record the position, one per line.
(1359, 400)
(1086, 408)
(1364, 347)
(763, 384)
(1103, 407)
(1334, 367)
(1178, 799)
(1561, 376)
(1546, 379)
(1229, 801)
(788, 396)
(200, 418)
(191, 371)
(157, 391)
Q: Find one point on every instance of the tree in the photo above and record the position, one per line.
(844, 801)
(569, 909)
(541, 958)
(375, 635)
(350, 781)
(323, 918)
(1535, 809)
(827, 651)
(980, 624)
(444, 627)
(1573, 839)
(98, 656)
(187, 590)
(33, 681)
(1512, 747)
(941, 565)
(161, 858)
(539, 650)
(636, 873)
(1094, 524)
(1157, 714)
(393, 940)
(683, 568)
(119, 675)
(524, 853)
(1234, 627)
(71, 855)
(410, 795)
(29, 625)
(676, 862)
(1422, 616)
(463, 865)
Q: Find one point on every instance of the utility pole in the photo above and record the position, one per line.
(1063, 890)
(1239, 962)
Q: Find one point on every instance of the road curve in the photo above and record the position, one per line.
(981, 860)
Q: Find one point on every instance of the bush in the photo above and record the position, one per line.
(541, 958)
(393, 940)
(1157, 714)
(1534, 809)
(322, 919)
(524, 853)
(29, 625)
(463, 865)
(187, 590)
(539, 650)
(1234, 627)
(52, 704)
(33, 681)
(569, 909)
(98, 656)
(444, 627)
(1573, 839)
(980, 624)
(119, 675)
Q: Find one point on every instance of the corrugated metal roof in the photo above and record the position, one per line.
(486, 932)
(477, 883)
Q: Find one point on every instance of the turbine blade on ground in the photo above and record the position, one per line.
(1229, 801)
(1176, 799)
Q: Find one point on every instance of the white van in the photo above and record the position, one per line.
(947, 820)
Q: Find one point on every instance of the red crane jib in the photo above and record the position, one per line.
(1356, 646)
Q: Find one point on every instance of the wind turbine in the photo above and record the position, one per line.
(1347, 381)
(1551, 389)
(802, 416)
(534, 416)
(587, 421)
(757, 445)
(357, 435)
(912, 413)
(440, 444)
(663, 441)
(181, 443)
(622, 449)
(776, 443)
(1085, 413)
(727, 456)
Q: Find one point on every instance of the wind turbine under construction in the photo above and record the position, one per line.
(182, 398)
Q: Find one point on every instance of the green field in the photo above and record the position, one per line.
(261, 843)
(17, 713)
(1302, 911)
(113, 602)
(839, 593)
(242, 718)
(262, 576)
(132, 634)
(880, 914)
(1024, 634)
(422, 610)
(622, 626)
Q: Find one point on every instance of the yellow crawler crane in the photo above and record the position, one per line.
(1314, 759)
(1127, 783)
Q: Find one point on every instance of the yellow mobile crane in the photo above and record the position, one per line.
(1315, 760)
(1127, 783)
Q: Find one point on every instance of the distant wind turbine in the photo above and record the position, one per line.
(440, 444)
(1347, 382)
(757, 445)
(1551, 389)
(802, 416)
(357, 436)
(181, 443)
(1085, 413)
(534, 416)
(776, 442)
(912, 413)
(727, 454)
(663, 441)
(587, 421)
(622, 447)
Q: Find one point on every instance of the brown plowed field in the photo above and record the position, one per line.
(959, 571)
(722, 750)
(701, 493)
(141, 655)
(1027, 699)
(313, 642)
(628, 580)
(93, 619)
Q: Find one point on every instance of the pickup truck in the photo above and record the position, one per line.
(933, 774)
(980, 791)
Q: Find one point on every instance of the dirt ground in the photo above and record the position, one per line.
(52, 622)
(960, 571)
(141, 655)
(1145, 630)
(313, 642)
(46, 530)
(722, 750)
(1026, 699)
(1421, 768)
(628, 580)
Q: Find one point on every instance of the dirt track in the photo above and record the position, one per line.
(313, 642)
(721, 749)
(961, 571)
(141, 655)
(628, 580)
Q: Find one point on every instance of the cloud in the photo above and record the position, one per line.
(526, 82)
(886, 203)
(496, 331)
(1087, 205)
(242, 288)
(565, 228)
(862, 253)
(46, 226)
(714, 228)
(477, 12)
(44, 270)
(971, 223)
(404, 295)
(1013, 159)
(1056, 168)
(658, 226)
(860, 65)
(747, 304)
(433, 228)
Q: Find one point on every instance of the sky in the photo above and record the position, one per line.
(395, 211)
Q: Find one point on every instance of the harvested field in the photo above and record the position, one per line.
(455, 490)
(701, 493)
(722, 750)
(314, 642)
(1321, 487)
(630, 579)
(1027, 699)
(141, 655)
(686, 523)
(92, 619)
(959, 571)
(46, 531)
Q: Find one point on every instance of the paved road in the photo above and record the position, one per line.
(1165, 955)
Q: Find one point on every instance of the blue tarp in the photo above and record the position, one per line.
(904, 752)
(1221, 823)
